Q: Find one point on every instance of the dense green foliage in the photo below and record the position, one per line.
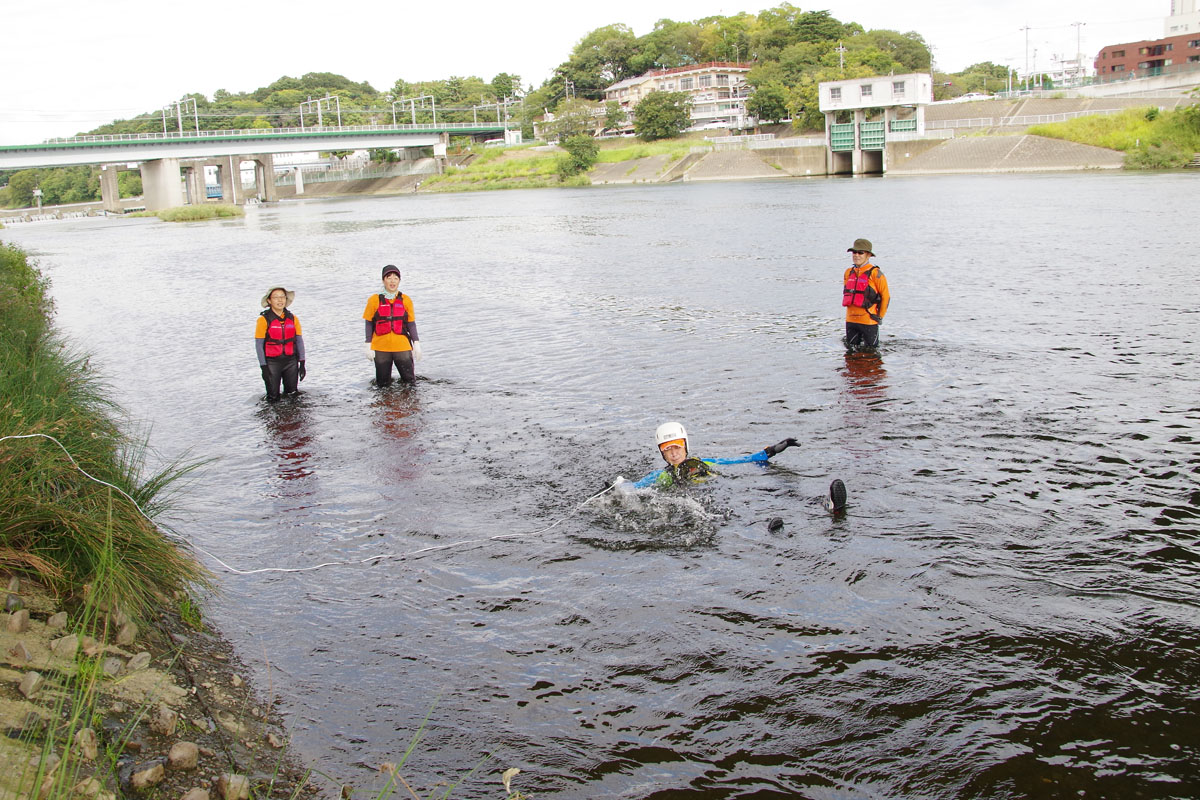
(62, 185)
(1149, 139)
(661, 115)
(582, 151)
(55, 523)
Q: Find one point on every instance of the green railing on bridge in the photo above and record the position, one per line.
(841, 136)
(258, 134)
(871, 135)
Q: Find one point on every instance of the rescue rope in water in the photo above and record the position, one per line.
(379, 557)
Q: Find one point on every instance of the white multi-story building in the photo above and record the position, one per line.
(718, 92)
(1184, 18)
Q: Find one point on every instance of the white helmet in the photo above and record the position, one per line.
(670, 432)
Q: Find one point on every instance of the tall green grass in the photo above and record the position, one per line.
(675, 148)
(55, 522)
(193, 213)
(1149, 138)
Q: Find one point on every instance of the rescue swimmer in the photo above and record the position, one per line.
(279, 343)
(685, 469)
(391, 330)
(863, 288)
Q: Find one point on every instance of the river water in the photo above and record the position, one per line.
(1007, 609)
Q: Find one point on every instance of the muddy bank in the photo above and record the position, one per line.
(116, 706)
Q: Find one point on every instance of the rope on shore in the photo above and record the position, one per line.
(379, 557)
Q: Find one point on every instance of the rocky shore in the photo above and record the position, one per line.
(102, 706)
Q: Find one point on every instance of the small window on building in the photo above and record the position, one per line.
(1193, 59)
(1170, 47)
(722, 80)
(866, 90)
(705, 81)
(1194, 43)
(1118, 68)
(1118, 53)
(835, 94)
(685, 84)
(898, 88)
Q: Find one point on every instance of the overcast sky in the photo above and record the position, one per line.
(71, 65)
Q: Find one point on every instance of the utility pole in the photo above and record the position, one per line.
(1079, 51)
(1026, 29)
(841, 51)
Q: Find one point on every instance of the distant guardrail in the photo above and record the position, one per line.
(178, 136)
(1022, 121)
(422, 167)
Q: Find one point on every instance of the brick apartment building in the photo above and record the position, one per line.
(1147, 58)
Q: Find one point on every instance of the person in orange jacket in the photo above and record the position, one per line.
(279, 343)
(865, 296)
(391, 331)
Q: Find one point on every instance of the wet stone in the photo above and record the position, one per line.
(140, 661)
(31, 684)
(18, 621)
(183, 756)
(231, 786)
(66, 646)
(113, 666)
(127, 634)
(164, 721)
(58, 620)
(195, 793)
(19, 652)
(146, 777)
(88, 787)
(87, 746)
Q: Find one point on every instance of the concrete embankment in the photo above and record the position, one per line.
(1021, 153)
(972, 154)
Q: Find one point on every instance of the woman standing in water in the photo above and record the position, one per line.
(279, 343)
(391, 331)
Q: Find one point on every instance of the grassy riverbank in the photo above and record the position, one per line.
(1149, 138)
(193, 213)
(102, 646)
(58, 524)
(536, 167)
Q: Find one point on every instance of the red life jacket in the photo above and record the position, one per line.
(390, 316)
(858, 290)
(281, 334)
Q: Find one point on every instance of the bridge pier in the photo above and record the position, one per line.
(161, 184)
(110, 194)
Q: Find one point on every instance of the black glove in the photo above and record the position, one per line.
(301, 371)
(266, 373)
(776, 449)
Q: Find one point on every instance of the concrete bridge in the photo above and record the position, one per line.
(172, 164)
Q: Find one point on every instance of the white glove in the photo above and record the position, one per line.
(416, 346)
(370, 352)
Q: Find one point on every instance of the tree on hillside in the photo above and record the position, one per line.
(599, 60)
(614, 116)
(670, 44)
(769, 103)
(506, 85)
(574, 118)
(582, 151)
(661, 115)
